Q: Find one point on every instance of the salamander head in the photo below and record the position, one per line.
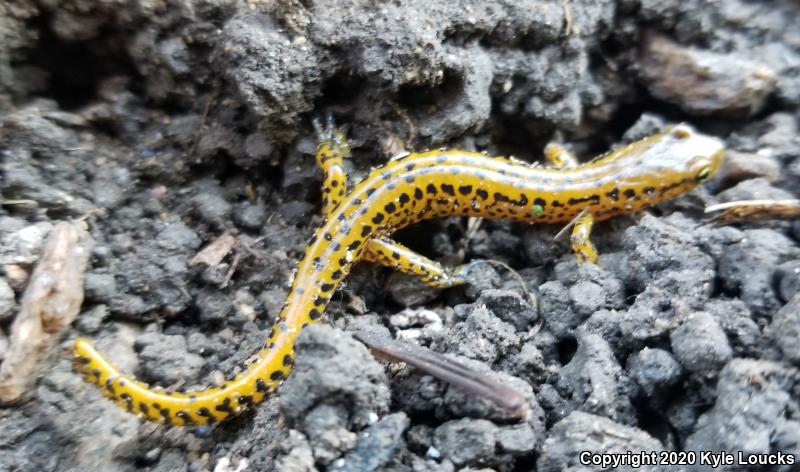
(707, 152)
(673, 161)
(684, 154)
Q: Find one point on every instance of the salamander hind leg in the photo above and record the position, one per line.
(332, 148)
(392, 254)
(581, 243)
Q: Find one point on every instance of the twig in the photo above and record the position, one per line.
(450, 371)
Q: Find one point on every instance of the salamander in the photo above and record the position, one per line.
(358, 225)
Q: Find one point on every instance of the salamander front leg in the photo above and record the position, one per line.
(560, 156)
(392, 254)
(581, 244)
(332, 148)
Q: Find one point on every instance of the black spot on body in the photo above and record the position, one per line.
(225, 406)
(431, 189)
(184, 417)
(595, 199)
(336, 275)
(390, 208)
(629, 193)
(649, 190)
(403, 198)
(260, 387)
(326, 287)
(366, 230)
(314, 314)
(465, 189)
(614, 194)
(378, 218)
(288, 360)
(203, 412)
(500, 197)
(128, 401)
(540, 201)
(277, 375)
(448, 189)
(483, 194)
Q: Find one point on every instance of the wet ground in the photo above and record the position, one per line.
(166, 124)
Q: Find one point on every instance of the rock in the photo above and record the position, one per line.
(165, 359)
(700, 344)
(481, 336)
(580, 291)
(529, 364)
(743, 333)
(656, 372)
(581, 432)
(100, 287)
(594, 382)
(298, 457)
(663, 253)
(705, 82)
(517, 439)
(466, 441)
(510, 307)
(214, 306)
(788, 275)
(335, 370)
(7, 301)
(740, 166)
(326, 428)
(296, 212)
(376, 445)
(748, 268)
(785, 329)
(754, 189)
(747, 414)
(408, 290)
(250, 216)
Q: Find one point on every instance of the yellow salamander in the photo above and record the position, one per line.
(417, 187)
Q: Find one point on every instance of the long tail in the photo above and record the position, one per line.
(305, 304)
(209, 405)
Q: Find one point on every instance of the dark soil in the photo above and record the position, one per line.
(167, 123)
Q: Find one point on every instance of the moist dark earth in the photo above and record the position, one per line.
(166, 124)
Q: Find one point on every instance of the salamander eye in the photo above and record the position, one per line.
(704, 174)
